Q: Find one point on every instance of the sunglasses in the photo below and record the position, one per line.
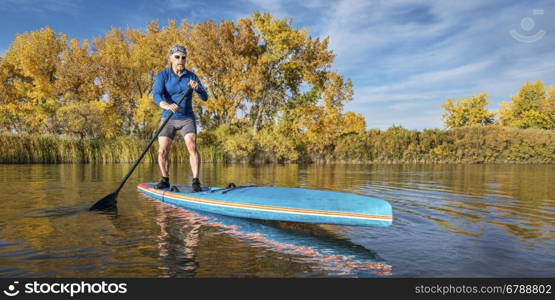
(178, 57)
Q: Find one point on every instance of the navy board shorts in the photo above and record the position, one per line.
(185, 126)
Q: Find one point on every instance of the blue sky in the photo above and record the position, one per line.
(405, 57)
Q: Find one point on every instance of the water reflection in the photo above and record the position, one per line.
(180, 235)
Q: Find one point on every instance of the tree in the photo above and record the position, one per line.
(8, 79)
(467, 112)
(35, 56)
(147, 115)
(77, 74)
(288, 57)
(223, 57)
(531, 108)
(116, 76)
(353, 123)
(88, 120)
(547, 106)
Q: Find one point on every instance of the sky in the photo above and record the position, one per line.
(405, 57)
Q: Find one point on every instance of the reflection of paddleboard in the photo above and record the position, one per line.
(321, 249)
(281, 204)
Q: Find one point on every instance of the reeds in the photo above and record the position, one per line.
(478, 144)
(27, 148)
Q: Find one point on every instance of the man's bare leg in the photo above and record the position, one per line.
(163, 156)
(194, 157)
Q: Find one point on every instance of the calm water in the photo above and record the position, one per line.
(449, 221)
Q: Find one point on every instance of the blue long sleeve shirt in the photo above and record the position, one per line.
(170, 87)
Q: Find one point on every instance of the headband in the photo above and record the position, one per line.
(178, 48)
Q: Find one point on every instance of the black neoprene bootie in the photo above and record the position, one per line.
(164, 183)
(196, 185)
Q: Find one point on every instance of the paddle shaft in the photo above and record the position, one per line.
(185, 94)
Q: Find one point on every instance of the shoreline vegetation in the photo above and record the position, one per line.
(273, 97)
(474, 144)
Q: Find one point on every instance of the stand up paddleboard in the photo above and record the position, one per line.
(279, 204)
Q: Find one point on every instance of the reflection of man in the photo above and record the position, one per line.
(167, 245)
(168, 87)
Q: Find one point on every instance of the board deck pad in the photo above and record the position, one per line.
(185, 188)
(280, 204)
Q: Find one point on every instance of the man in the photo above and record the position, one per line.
(168, 87)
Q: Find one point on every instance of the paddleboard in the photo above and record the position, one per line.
(279, 204)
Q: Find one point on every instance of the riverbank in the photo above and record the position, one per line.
(480, 144)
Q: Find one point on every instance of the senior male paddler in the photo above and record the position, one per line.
(168, 87)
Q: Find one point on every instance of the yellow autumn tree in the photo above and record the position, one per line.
(116, 76)
(12, 118)
(530, 108)
(8, 78)
(353, 123)
(222, 56)
(467, 111)
(149, 52)
(287, 58)
(253, 68)
(36, 55)
(87, 120)
(147, 115)
(77, 73)
(547, 106)
(322, 123)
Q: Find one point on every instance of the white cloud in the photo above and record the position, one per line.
(427, 81)
(405, 106)
(61, 6)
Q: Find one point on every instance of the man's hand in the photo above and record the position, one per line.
(173, 107)
(193, 84)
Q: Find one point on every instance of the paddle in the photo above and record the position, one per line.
(109, 202)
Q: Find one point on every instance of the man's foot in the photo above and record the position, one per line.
(196, 185)
(164, 183)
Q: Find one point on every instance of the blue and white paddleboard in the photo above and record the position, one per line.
(279, 204)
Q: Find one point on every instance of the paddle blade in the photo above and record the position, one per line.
(106, 203)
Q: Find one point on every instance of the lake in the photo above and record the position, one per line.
(449, 221)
